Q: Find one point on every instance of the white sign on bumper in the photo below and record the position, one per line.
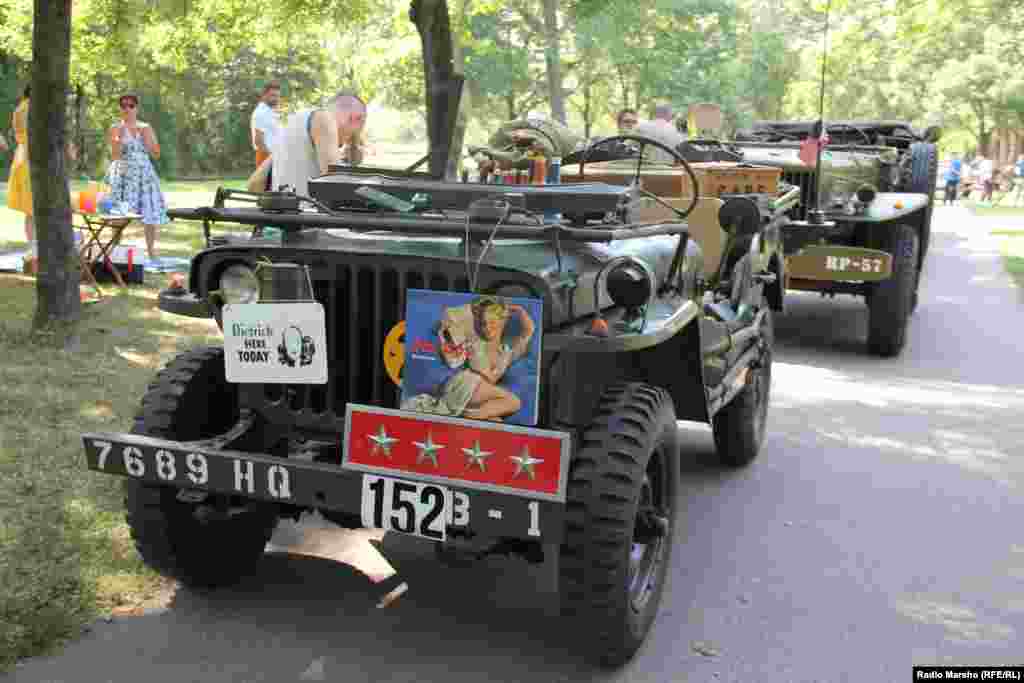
(275, 342)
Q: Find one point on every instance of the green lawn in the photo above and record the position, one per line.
(1012, 246)
(181, 238)
(1005, 208)
(65, 552)
(177, 238)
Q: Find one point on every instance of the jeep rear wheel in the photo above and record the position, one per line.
(892, 300)
(203, 543)
(620, 513)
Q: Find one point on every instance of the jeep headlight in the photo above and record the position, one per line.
(239, 285)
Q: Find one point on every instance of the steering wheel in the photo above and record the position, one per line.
(644, 141)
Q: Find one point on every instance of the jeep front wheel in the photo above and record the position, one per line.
(892, 300)
(620, 514)
(739, 427)
(208, 542)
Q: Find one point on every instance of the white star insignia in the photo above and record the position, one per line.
(475, 456)
(382, 442)
(428, 450)
(524, 463)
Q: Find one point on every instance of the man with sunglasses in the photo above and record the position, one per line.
(309, 142)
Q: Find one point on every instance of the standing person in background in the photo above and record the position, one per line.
(264, 124)
(664, 131)
(985, 170)
(309, 142)
(1018, 179)
(132, 178)
(952, 179)
(626, 121)
(19, 184)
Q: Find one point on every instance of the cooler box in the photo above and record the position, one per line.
(128, 261)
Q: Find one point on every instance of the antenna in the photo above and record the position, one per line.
(816, 215)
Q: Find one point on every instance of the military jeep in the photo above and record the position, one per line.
(877, 184)
(633, 339)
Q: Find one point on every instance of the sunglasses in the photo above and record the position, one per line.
(127, 105)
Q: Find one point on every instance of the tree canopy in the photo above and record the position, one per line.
(198, 65)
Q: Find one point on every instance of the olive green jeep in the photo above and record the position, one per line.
(871, 235)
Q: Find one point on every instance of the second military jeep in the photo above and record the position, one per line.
(876, 184)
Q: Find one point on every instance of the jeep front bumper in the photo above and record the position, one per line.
(486, 503)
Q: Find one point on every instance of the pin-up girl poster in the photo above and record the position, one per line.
(472, 356)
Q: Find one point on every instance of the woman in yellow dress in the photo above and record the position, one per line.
(19, 185)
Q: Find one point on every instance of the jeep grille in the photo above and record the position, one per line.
(362, 301)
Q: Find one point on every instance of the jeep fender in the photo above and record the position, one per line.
(669, 357)
(889, 206)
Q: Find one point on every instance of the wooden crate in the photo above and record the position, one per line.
(715, 178)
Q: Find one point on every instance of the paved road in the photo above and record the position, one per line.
(880, 527)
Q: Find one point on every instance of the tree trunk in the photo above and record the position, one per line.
(443, 85)
(553, 60)
(588, 86)
(57, 300)
(79, 131)
(462, 121)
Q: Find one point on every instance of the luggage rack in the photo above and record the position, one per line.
(425, 224)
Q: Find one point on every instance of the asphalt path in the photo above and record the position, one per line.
(879, 528)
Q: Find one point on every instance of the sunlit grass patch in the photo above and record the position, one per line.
(65, 551)
(1012, 246)
(1005, 208)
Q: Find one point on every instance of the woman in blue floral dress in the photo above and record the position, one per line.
(132, 178)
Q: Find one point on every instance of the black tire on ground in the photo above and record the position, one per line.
(924, 167)
(191, 399)
(620, 519)
(739, 427)
(891, 300)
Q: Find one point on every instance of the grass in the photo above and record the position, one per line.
(65, 552)
(1005, 208)
(177, 238)
(1012, 246)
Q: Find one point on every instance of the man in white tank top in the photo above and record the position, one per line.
(308, 143)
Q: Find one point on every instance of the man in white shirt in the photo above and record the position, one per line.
(664, 131)
(308, 143)
(264, 124)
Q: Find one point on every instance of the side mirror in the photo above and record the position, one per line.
(740, 217)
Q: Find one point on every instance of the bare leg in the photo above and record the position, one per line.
(150, 231)
(490, 402)
(30, 229)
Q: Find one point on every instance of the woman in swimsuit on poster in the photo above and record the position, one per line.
(471, 344)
